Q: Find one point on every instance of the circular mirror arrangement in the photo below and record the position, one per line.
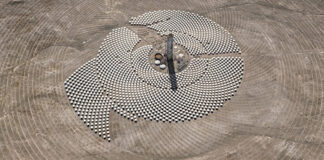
(188, 81)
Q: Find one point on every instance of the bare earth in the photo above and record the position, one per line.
(277, 113)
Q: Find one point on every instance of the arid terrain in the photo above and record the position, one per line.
(277, 113)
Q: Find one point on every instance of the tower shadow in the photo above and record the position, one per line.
(169, 54)
(172, 75)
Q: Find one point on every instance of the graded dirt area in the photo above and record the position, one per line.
(277, 113)
(158, 42)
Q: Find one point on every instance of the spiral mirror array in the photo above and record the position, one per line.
(121, 78)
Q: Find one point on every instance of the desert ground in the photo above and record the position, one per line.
(277, 113)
